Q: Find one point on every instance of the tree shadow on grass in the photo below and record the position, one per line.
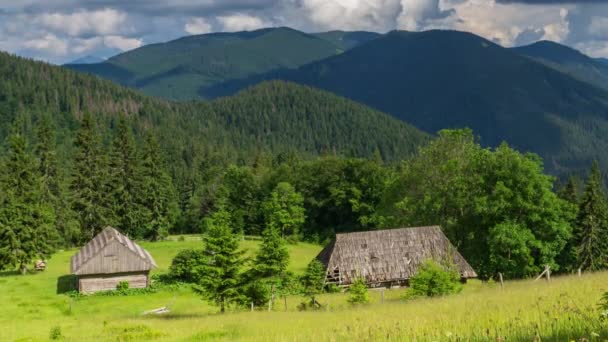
(67, 283)
(9, 273)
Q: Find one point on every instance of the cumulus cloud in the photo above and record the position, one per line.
(197, 26)
(242, 22)
(58, 30)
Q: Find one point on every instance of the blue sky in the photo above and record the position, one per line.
(62, 30)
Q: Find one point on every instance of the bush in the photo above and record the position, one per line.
(358, 292)
(55, 333)
(433, 280)
(257, 292)
(122, 286)
(185, 265)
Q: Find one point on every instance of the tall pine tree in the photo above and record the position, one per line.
(89, 181)
(26, 220)
(220, 271)
(272, 258)
(158, 194)
(591, 229)
(125, 182)
(54, 190)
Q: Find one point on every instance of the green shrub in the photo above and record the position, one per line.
(433, 280)
(55, 333)
(358, 292)
(332, 288)
(185, 265)
(257, 292)
(181, 238)
(122, 286)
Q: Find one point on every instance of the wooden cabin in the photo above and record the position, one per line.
(388, 257)
(108, 259)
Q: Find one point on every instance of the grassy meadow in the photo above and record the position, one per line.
(563, 310)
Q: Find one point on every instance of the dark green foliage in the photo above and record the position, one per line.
(496, 206)
(284, 210)
(157, 194)
(313, 279)
(89, 181)
(272, 258)
(433, 280)
(358, 292)
(591, 228)
(122, 286)
(185, 266)
(220, 270)
(55, 333)
(256, 292)
(27, 221)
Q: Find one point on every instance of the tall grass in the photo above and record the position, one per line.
(563, 310)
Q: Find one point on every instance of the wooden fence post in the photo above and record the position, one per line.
(548, 273)
(285, 300)
(579, 272)
(251, 306)
(382, 296)
(502, 284)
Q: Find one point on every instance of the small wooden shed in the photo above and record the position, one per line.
(110, 258)
(388, 257)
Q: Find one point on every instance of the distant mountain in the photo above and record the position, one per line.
(87, 60)
(602, 60)
(347, 40)
(183, 68)
(568, 60)
(270, 117)
(449, 79)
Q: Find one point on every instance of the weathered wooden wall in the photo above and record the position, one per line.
(114, 258)
(95, 283)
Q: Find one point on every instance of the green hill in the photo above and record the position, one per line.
(183, 68)
(443, 79)
(347, 40)
(568, 60)
(272, 117)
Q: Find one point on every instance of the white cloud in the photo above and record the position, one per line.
(49, 43)
(419, 14)
(122, 43)
(197, 26)
(100, 22)
(377, 15)
(242, 22)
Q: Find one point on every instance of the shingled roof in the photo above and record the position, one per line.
(139, 258)
(388, 255)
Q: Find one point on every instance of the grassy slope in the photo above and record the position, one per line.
(563, 310)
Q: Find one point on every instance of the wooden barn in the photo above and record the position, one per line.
(108, 259)
(388, 257)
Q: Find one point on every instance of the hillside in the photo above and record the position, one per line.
(346, 40)
(443, 79)
(568, 60)
(271, 117)
(183, 68)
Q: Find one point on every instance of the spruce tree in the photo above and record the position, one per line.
(54, 191)
(284, 210)
(158, 194)
(220, 271)
(125, 182)
(591, 229)
(89, 180)
(26, 221)
(272, 258)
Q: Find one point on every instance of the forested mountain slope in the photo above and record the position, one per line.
(568, 60)
(183, 68)
(271, 117)
(448, 79)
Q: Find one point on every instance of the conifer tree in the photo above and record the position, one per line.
(54, 191)
(158, 194)
(219, 272)
(591, 229)
(89, 179)
(26, 221)
(272, 258)
(125, 182)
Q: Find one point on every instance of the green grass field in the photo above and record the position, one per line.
(563, 310)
